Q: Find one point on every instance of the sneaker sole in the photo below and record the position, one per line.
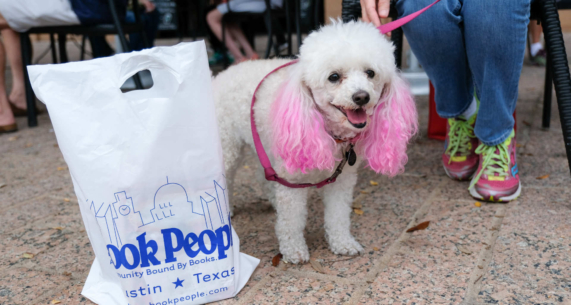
(459, 177)
(505, 199)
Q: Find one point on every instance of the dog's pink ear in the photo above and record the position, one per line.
(299, 136)
(394, 122)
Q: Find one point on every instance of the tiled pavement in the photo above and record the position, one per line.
(517, 253)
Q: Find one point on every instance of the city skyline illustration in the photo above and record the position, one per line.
(123, 212)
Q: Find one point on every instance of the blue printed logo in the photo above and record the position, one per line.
(514, 170)
(145, 254)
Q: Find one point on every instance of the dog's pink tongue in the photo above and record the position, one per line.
(358, 116)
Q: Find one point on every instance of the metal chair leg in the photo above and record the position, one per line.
(53, 47)
(82, 54)
(26, 48)
(397, 38)
(298, 23)
(62, 49)
(288, 27)
(268, 19)
(561, 78)
(138, 82)
(275, 44)
(316, 13)
(547, 93)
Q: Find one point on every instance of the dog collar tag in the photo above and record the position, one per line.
(351, 156)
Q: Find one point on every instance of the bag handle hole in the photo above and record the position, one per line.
(146, 80)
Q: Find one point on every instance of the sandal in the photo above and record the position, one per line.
(8, 128)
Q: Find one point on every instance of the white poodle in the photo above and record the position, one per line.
(345, 88)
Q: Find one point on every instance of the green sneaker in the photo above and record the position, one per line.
(459, 159)
(497, 177)
(540, 59)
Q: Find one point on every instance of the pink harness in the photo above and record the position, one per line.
(269, 171)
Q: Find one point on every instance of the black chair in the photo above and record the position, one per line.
(116, 28)
(269, 15)
(551, 24)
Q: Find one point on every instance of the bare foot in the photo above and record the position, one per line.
(18, 99)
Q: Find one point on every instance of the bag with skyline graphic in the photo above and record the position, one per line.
(148, 173)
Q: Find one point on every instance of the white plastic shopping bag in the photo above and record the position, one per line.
(149, 176)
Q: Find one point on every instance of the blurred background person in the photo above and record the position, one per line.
(149, 16)
(236, 41)
(537, 54)
(20, 16)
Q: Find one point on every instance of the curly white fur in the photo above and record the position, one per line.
(351, 50)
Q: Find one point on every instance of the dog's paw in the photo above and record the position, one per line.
(345, 246)
(296, 255)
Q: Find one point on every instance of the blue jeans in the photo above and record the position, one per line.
(467, 45)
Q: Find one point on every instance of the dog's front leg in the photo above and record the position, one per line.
(338, 198)
(291, 207)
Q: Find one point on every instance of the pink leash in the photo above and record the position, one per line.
(269, 171)
(393, 25)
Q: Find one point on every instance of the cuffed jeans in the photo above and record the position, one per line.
(467, 45)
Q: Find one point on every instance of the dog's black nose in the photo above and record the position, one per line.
(361, 98)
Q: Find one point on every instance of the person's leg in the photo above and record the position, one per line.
(12, 48)
(535, 30)
(14, 53)
(220, 55)
(495, 44)
(215, 43)
(437, 40)
(536, 52)
(6, 115)
(214, 19)
(237, 33)
(496, 34)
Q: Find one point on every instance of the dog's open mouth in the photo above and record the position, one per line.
(357, 117)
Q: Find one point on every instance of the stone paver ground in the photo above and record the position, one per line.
(516, 253)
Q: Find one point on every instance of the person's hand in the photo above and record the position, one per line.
(149, 6)
(374, 10)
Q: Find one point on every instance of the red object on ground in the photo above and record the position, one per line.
(436, 124)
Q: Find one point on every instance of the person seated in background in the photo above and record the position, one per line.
(235, 38)
(221, 55)
(149, 16)
(537, 54)
(20, 16)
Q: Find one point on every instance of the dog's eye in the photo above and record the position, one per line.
(334, 77)
(370, 73)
